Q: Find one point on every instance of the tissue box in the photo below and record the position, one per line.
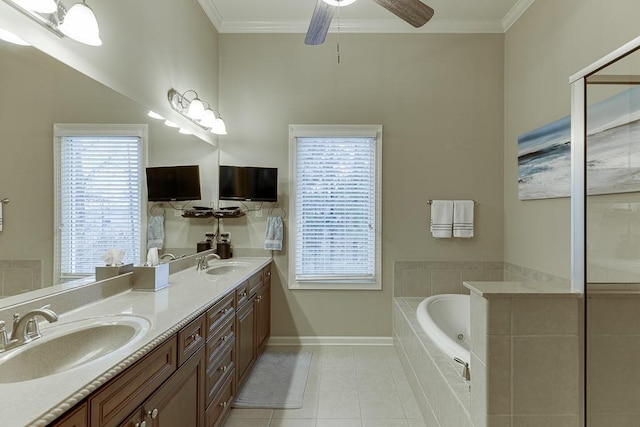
(109, 271)
(151, 278)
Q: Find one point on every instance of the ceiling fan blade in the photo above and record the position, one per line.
(320, 22)
(414, 12)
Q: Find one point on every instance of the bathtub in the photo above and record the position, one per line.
(445, 319)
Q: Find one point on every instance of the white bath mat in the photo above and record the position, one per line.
(276, 382)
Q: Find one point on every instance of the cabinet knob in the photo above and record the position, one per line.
(244, 294)
(259, 298)
(224, 310)
(142, 424)
(224, 338)
(223, 368)
(153, 414)
(223, 404)
(195, 337)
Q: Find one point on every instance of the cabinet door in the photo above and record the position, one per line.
(246, 340)
(180, 400)
(263, 317)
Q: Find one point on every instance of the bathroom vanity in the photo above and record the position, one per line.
(205, 333)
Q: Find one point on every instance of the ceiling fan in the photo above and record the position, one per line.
(414, 12)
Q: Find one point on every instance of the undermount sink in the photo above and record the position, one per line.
(70, 345)
(224, 267)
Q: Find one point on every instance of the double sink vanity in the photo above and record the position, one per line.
(176, 356)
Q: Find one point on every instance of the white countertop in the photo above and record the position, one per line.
(40, 401)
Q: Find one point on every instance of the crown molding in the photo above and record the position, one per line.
(212, 12)
(368, 26)
(515, 13)
(364, 26)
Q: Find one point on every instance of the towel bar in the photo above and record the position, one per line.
(431, 201)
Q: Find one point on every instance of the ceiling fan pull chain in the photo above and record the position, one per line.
(338, 37)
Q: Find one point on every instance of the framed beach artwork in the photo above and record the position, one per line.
(613, 151)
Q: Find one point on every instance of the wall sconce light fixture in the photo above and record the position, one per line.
(198, 111)
(78, 22)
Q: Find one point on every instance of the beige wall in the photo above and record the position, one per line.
(439, 99)
(550, 42)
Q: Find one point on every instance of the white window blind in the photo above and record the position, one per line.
(335, 205)
(100, 196)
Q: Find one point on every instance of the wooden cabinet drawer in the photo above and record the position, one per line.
(242, 294)
(255, 282)
(223, 336)
(221, 404)
(190, 338)
(113, 402)
(218, 369)
(219, 313)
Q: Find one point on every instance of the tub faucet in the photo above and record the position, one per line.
(466, 372)
(25, 328)
(203, 261)
(168, 255)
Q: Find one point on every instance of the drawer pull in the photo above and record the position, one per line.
(195, 337)
(153, 414)
(224, 310)
(224, 338)
(259, 298)
(223, 404)
(244, 294)
(142, 424)
(223, 368)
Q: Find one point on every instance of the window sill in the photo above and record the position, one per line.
(333, 286)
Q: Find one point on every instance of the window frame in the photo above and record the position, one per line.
(61, 130)
(335, 131)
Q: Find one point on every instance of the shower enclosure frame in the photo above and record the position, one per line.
(579, 83)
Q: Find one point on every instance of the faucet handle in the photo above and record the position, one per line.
(4, 338)
(466, 372)
(32, 329)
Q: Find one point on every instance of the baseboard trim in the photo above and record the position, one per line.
(331, 341)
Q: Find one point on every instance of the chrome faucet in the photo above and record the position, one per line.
(25, 328)
(168, 255)
(203, 261)
(466, 372)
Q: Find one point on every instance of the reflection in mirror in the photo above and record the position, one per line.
(38, 92)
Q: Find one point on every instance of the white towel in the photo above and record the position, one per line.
(463, 218)
(1, 214)
(273, 234)
(155, 232)
(441, 225)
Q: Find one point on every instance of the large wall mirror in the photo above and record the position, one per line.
(37, 92)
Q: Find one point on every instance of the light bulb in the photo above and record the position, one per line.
(196, 109)
(219, 127)
(155, 115)
(40, 6)
(8, 36)
(81, 25)
(339, 3)
(208, 118)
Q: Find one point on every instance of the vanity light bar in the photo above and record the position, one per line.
(194, 109)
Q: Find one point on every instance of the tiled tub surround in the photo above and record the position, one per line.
(441, 393)
(426, 278)
(189, 293)
(18, 276)
(525, 354)
(613, 344)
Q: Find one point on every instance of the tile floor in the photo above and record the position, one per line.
(356, 386)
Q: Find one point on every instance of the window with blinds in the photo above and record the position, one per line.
(99, 201)
(336, 211)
